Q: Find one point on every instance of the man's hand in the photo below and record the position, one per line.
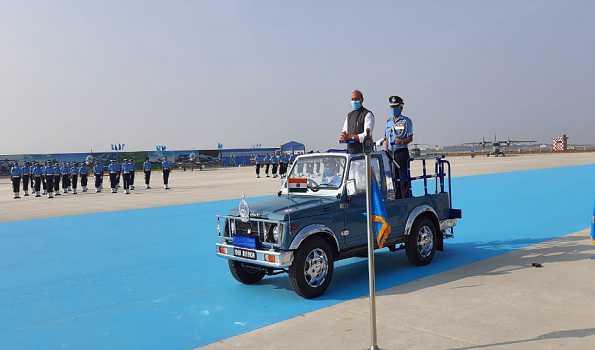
(346, 137)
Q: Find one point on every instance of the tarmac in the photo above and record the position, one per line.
(501, 302)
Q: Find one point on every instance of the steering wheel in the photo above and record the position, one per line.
(313, 185)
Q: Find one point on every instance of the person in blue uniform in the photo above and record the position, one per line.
(73, 178)
(15, 177)
(267, 164)
(126, 176)
(83, 172)
(147, 167)
(113, 170)
(397, 135)
(57, 176)
(36, 174)
(98, 170)
(65, 173)
(26, 175)
(50, 176)
(166, 166)
(275, 163)
(257, 163)
(131, 176)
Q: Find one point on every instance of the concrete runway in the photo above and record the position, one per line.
(148, 278)
(230, 183)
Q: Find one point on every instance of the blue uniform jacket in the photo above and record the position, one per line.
(37, 170)
(15, 171)
(113, 168)
(98, 169)
(147, 165)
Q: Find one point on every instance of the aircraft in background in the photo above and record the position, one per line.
(497, 146)
(194, 161)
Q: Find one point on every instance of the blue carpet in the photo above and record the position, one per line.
(149, 279)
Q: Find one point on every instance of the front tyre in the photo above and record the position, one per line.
(312, 269)
(421, 242)
(245, 273)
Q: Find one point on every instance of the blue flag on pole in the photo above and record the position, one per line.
(382, 228)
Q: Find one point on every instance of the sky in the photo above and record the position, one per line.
(77, 76)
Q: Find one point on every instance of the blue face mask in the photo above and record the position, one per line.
(396, 112)
(357, 104)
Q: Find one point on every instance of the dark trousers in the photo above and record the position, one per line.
(25, 182)
(43, 182)
(165, 176)
(84, 180)
(275, 169)
(74, 181)
(56, 182)
(266, 168)
(147, 177)
(37, 185)
(16, 184)
(131, 180)
(257, 169)
(65, 181)
(126, 180)
(49, 182)
(402, 187)
(98, 180)
(282, 168)
(31, 177)
(118, 178)
(113, 180)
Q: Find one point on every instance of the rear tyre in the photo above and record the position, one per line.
(421, 242)
(245, 273)
(312, 269)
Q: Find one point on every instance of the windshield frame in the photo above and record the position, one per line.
(322, 192)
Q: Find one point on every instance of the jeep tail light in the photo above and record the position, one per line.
(222, 250)
(270, 258)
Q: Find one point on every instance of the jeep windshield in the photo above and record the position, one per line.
(323, 172)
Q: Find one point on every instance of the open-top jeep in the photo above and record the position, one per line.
(319, 217)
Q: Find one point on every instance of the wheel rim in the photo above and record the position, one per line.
(425, 241)
(316, 268)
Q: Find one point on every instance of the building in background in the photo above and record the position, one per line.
(560, 143)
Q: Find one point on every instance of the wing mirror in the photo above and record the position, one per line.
(350, 186)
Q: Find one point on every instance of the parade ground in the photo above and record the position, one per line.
(139, 271)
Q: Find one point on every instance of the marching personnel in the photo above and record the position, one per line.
(147, 169)
(275, 162)
(83, 171)
(56, 180)
(31, 177)
(166, 169)
(257, 161)
(267, 164)
(131, 172)
(50, 176)
(37, 173)
(113, 169)
(26, 175)
(126, 176)
(397, 135)
(283, 165)
(119, 174)
(43, 180)
(98, 170)
(74, 171)
(15, 177)
(65, 172)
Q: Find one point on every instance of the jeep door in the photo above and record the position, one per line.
(355, 213)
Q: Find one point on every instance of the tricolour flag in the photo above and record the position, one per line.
(297, 184)
(382, 228)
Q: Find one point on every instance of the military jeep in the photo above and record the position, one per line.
(308, 226)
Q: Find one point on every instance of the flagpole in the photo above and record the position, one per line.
(368, 143)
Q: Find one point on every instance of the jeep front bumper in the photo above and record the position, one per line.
(266, 258)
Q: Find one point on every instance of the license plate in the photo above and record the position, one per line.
(243, 253)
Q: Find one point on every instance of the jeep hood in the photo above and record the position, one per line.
(285, 207)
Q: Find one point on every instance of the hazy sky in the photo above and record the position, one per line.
(76, 75)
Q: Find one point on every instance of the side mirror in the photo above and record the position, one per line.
(350, 186)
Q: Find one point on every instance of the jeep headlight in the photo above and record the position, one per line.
(277, 233)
